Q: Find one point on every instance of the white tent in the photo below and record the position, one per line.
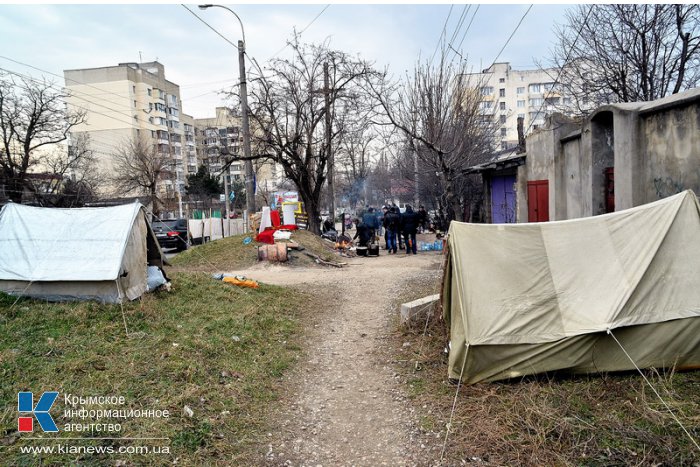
(528, 298)
(76, 254)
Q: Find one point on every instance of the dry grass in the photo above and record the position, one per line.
(605, 419)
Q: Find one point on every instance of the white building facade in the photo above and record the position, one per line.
(507, 94)
(128, 101)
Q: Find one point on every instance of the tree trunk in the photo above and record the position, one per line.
(313, 211)
(16, 189)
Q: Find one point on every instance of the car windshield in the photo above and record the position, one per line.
(165, 225)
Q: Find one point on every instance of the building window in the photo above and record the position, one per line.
(521, 90)
(485, 105)
(149, 91)
(502, 92)
(133, 88)
(150, 120)
(501, 80)
(504, 145)
(502, 105)
(537, 87)
(153, 133)
(134, 103)
(503, 118)
(566, 101)
(504, 132)
(521, 104)
(521, 116)
(536, 102)
(486, 90)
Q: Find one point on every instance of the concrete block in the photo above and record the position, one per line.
(417, 310)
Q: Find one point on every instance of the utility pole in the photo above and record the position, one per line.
(415, 176)
(226, 190)
(249, 179)
(327, 95)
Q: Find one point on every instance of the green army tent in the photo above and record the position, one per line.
(529, 298)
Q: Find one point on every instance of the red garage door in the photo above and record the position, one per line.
(538, 201)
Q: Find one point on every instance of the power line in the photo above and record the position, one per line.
(456, 31)
(444, 28)
(468, 27)
(208, 25)
(460, 22)
(566, 61)
(94, 137)
(300, 32)
(512, 34)
(29, 78)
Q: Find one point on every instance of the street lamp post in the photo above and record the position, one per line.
(249, 179)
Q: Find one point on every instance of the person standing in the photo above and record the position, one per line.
(364, 233)
(409, 227)
(380, 220)
(369, 218)
(399, 236)
(422, 219)
(392, 220)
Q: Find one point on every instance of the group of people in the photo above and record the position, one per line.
(399, 228)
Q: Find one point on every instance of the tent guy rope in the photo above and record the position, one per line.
(454, 405)
(655, 391)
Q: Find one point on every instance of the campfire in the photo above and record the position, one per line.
(343, 245)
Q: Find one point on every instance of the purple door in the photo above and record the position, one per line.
(503, 199)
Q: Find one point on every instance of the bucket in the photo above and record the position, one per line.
(361, 251)
(373, 250)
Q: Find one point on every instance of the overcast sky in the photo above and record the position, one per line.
(56, 37)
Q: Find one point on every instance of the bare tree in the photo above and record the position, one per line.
(354, 155)
(73, 176)
(33, 116)
(288, 107)
(628, 52)
(439, 112)
(139, 166)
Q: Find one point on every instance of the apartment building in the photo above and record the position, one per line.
(218, 138)
(507, 94)
(128, 101)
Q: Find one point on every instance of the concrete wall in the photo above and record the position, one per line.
(654, 148)
(571, 184)
(602, 150)
(671, 149)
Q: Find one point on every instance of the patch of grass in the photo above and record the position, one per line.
(218, 349)
(230, 253)
(596, 420)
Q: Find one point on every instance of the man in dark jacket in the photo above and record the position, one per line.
(409, 227)
(363, 232)
(423, 219)
(369, 218)
(392, 220)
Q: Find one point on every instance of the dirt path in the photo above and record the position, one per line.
(345, 404)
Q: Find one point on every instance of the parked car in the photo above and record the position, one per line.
(171, 233)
